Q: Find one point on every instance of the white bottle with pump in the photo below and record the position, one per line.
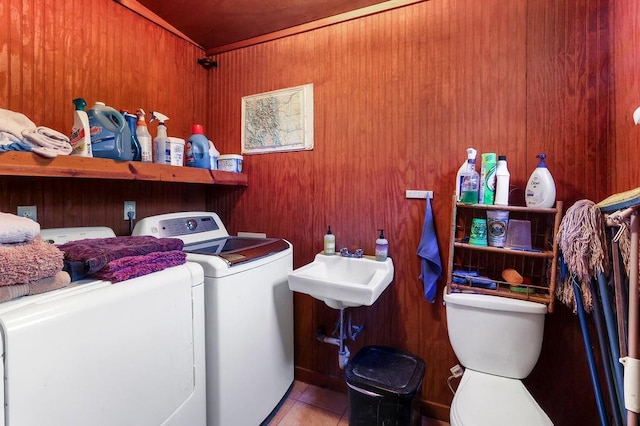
(329, 243)
(382, 247)
(144, 137)
(471, 155)
(541, 189)
(502, 182)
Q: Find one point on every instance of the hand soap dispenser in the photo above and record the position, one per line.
(382, 247)
(329, 243)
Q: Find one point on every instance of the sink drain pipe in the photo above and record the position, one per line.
(343, 351)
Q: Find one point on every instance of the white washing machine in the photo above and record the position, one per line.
(249, 314)
(96, 353)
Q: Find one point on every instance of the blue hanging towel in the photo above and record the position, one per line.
(430, 265)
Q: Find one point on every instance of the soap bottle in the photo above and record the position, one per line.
(541, 189)
(329, 243)
(471, 155)
(382, 247)
(144, 137)
(80, 132)
(502, 182)
(470, 183)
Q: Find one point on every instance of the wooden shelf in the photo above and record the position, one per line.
(15, 163)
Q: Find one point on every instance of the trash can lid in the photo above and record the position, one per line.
(385, 370)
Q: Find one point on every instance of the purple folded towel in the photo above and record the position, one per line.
(136, 266)
(95, 253)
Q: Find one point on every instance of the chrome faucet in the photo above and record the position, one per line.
(344, 252)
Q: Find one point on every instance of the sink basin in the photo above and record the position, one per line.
(343, 282)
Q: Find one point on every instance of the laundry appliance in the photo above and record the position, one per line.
(249, 314)
(97, 353)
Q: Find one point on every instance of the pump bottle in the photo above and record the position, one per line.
(502, 182)
(541, 189)
(329, 243)
(382, 247)
(144, 137)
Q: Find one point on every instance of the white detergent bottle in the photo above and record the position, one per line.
(144, 137)
(541, 189)
(471, 155)
(80, 132)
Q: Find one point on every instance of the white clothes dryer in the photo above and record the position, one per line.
(96, 353)
(249, 314)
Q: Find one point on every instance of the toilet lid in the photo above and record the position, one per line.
(483, 399)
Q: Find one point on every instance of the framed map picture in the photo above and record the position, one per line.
(281, 120)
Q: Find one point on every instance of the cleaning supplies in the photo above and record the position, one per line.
(382, 247)
(135, 144)
(80, 132)
(110, 135)
(470, 182)
(213, 156)
(197, 150)
(541, 189)
(502, 182)
(487, 178)
(329, 243)
(144, 137)
(471, 155)
(161, 143)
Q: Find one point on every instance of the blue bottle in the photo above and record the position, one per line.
(197, 150)
(110, 135)
(136, 149)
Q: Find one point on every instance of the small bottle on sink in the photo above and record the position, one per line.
(382, 247)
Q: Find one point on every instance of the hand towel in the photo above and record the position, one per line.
(26, 262)
(130, 267)
(47, 142)
(428, 251)
(16, 229)
(43, 285)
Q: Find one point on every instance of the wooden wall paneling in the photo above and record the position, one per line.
(625, 28)
(399, 97)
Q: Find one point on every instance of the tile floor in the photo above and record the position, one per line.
(310, 405)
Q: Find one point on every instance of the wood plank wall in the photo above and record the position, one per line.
(52, 52)
(399, 97)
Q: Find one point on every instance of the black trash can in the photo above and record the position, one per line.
(382, 383)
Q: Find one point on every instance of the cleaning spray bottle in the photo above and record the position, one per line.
(161, 143)
(135, 144)
(470, 183)
(541, 189)
(144, 137)
(213, 156)
(382, 247)
(198, 149)
(471, 155)
(80, 132)
(329, 243)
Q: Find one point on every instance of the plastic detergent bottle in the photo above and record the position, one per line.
(470, 183)
(471, 155)
(329, 243)
(502, 182)
(541, 189)
(198, 149)
(161, 143)
(382, 247)
(135, 144)
(144, 137)
(80, 132)
(110, 135)
(213, 156)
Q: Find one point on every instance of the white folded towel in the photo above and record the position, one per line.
(47, 142)
(12, 124)
(16, 229)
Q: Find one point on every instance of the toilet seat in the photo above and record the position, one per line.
(483, 399)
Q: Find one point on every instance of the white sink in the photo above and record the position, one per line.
(343, 282)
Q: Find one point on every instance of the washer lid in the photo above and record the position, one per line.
(485, 399)
(235, 250)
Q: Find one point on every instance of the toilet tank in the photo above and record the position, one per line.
(495, 335)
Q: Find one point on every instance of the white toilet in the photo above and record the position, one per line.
(498, 341)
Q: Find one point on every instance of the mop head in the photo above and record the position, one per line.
(582, 240)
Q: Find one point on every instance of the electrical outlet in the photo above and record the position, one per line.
(30, 212)
(129, 206)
